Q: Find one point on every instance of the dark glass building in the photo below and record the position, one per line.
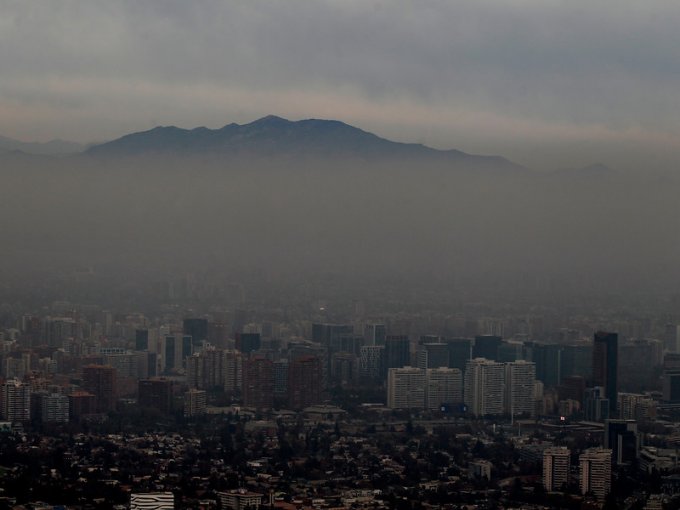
(605, 364)
(197, 329)
(486, 346)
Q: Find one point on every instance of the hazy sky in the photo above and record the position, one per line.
(546, 83)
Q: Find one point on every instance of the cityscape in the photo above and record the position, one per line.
(339, 255)
(325, 405)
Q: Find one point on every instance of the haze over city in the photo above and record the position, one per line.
(339, 255)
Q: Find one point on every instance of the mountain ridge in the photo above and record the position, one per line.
(273, 135)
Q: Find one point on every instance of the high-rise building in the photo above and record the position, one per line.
(443, 386)
(375, 334)
(326, 334)
(397, 351)
(281, 378)
(16, 401)
(371, 361)
(596, 472)
(304, 382)
(596, 405)
(406, 388)
(55, 408)
(548, 359)
(556, 461)
(486, 346)
(460, 352)
(510, 351)
(520, 379)
(81, 403)
(195, 403)
(484, 387)
(258, 383)
(170, 358)
(432, 355)
(197, 329)
(577, 359)
(621, 437)
(344, 367)
(101, 381)
(187, 347)
(141, 339)
(157, 393)
(248, 342)
(634, 406)
(605, 365)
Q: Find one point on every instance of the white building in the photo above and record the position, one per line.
(444, 386)
(16, 401)
(406, 388)
(239, 500)
(484, 387)
(556, 461)
(596, 472)
(520, 380)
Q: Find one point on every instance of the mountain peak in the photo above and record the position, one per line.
(275, 136)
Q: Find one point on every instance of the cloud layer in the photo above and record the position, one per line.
(545, 82)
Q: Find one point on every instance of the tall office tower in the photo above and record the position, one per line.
(577, 360)
(572, 388)
(596, 406)
(258, 383)
(233, 370)
(671, 338)
(187, 347)
(556, 462)
(169, 358)
(596, 472)
(443, 386)
(484, 387)
(375, 334)
(671, 386)
(141, 339)
(248, 342)
(304, 382)
(16, 401)
(157, 393)
(195, 403)
(54, 408)
(397, 351)
(520, 379)
(101, 381)
(197, 329)
(605, 362)
(548, 359)
(218, 334)
(638, 364)
(432, 355)
(325, 334)
(281, 378)
(621, 437)
(460, 352)
(371, 361)
(406, 388)
(510, 351)
(344, 369)
(486, 346)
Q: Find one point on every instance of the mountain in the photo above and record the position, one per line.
(53, 147)
(275, 136)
